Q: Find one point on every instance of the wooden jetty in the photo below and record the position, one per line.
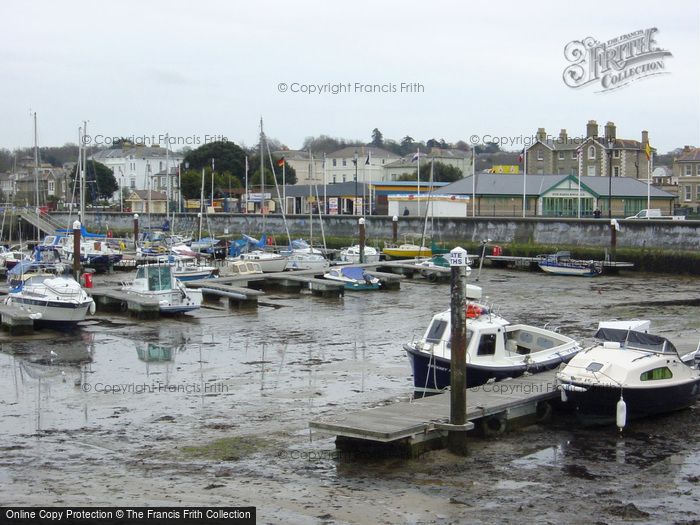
(411, 427)
(115, 299)
(214, 289)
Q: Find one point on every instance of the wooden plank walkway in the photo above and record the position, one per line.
(532, 261)
(510, 399)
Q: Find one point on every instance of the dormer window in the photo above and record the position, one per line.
(591, 152)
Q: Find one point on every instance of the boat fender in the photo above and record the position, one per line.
(432, 277)
(543, 412)
(123, 306)
(92, 308)
(564, 397)
(8, 301)
(621, 413)
(494, 425)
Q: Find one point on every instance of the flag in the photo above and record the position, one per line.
(521, 156)
(280, 162)
(579, 151)
(647, 150)
(369, 156)
(416, 157)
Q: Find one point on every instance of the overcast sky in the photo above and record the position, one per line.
(214, 68)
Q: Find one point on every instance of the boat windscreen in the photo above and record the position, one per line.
(353, 272)
(640, 340)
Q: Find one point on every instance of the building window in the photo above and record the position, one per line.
(688, 170)
(688, 193)
(574, 171)
(132, 183)
(573, 154)
(591, 171)
(697, 193)
(561, 155)
(540, 155)
(52, 187)
(334, 181)
(345, 162)
(560, 171)
(335, 162)
(616, 171)
(591, 152)
(343, 177)
(616, 154)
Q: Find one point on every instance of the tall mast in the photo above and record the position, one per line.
(83, 173)
(262, 174)
(167, 179)
(36, 175)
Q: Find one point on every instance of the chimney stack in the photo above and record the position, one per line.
(610, 131)
(591, 129)
(563, 137)
(686, 148)
(541, 135)
(645, 138)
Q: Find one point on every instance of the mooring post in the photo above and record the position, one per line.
(394, 228)
(362, 239)
(76, 250)
(136, 231)
(456, 436)
(614, 226)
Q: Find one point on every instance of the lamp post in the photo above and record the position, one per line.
(354, 203)
(611, 143)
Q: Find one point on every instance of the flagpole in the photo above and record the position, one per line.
(325, 209)
(418, 177)
(649, 167)
(473, 182)
(284, 187)
(524, 180)
(246, 184)
(579, 155)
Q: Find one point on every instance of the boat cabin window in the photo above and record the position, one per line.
(594, 367)
(487, 345)
(436, 331)
(657, 373)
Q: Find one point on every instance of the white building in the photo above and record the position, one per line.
(341, 167)
(140, 167)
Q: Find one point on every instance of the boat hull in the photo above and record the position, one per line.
(579, 271)
(598, 404)
(398, 253)
(431, 374)
(51, 311)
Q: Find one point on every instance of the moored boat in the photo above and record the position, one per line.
(628, 374)
(496, 349)
(561, 263)
(158, 282)
(353, 277)
(351, 254)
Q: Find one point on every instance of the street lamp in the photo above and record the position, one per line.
(354, 204)
(611, 143)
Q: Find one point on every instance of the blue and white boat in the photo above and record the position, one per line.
(561, 263)
(353, 277)
(40, 288)
(190, 270)
(496, 349)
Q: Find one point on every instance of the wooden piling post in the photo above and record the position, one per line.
(456, 436)
(136, 230)
(362, 239)
(614, 226)
(76, 250)
(394, 229)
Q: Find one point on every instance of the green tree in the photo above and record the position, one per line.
(441, 172)
(377, 138)
(290, 174)
(228, 157)
(100, 183)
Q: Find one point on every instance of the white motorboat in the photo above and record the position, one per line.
(629, 374)
(496, 349)
(351, 254)
(52, 298)
(234, 268)
(185, 269)
(307, 261)
(269, 262)
(157, 281)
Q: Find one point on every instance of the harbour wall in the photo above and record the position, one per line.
(650, 234)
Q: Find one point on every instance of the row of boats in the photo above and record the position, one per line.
(626, 373)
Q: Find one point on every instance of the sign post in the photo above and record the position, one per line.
(456, 438)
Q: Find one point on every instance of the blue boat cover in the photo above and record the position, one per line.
(353, 272)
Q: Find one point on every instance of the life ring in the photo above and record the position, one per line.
(109, 234)
(270, 240)
(494, 425)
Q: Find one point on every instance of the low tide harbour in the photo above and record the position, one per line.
(212, 408)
